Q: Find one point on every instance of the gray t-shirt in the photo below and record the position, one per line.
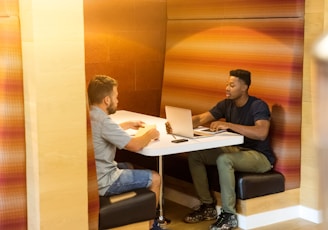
(107, 136)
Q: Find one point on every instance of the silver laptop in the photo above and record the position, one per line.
(180, 120)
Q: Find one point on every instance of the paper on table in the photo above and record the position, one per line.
(142, 131)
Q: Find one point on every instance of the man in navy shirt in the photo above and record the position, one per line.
(239, 113)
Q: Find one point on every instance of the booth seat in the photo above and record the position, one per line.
(127, 208)
(248, 185)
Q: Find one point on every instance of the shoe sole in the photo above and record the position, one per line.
(195, 222)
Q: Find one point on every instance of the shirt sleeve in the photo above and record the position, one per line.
(114, 134)
(219, 110)
(261, 111)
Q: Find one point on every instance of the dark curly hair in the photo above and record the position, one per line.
(242, 74)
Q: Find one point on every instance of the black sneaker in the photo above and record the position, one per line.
(225, 221)
(204, 212)
(156, 226)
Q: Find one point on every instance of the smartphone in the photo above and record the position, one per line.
(179, 140)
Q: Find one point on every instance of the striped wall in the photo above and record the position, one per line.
(13, 208)
(206, 39)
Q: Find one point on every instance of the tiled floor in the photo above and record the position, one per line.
(176, 213)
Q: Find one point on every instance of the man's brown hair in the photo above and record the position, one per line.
(100, 87)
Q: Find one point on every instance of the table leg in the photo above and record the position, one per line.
(160, 171)
(162, 220)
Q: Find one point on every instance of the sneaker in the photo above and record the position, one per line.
(156, 226)
(225, 221)
(162, 220)
(203, 212)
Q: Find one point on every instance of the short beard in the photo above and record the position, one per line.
(110, 109)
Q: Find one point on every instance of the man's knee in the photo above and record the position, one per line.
(156, 178)
(194, 156)
(223, 160)
(191, 158)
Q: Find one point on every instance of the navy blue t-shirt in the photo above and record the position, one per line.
(255, 109)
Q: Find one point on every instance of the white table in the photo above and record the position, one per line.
(164, 146)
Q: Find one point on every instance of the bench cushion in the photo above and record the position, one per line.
(250, 185)
(140, 207)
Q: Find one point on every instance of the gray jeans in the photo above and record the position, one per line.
(228, 160)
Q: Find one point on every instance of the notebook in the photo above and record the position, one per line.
(180, 120)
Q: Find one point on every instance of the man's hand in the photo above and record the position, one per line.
(142, 138)
(149, 130)
(168, 127)
(154, 134)
(218, 125)
(137, 124)
(132, 125)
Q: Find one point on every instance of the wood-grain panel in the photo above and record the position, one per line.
(125, 39)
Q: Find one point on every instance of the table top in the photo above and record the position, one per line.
(164, 146)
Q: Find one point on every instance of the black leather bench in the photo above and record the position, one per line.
(248, 185)
(131, 207)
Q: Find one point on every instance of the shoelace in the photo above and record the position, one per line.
(156, 226)
(221, 218)
(200, 209)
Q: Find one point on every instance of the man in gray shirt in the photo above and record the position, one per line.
(113, 177)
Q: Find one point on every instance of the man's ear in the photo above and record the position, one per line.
(245, 87)
(107, 100)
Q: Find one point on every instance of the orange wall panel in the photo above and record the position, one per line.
(126, 40)
(224, 9)
(13, 200)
